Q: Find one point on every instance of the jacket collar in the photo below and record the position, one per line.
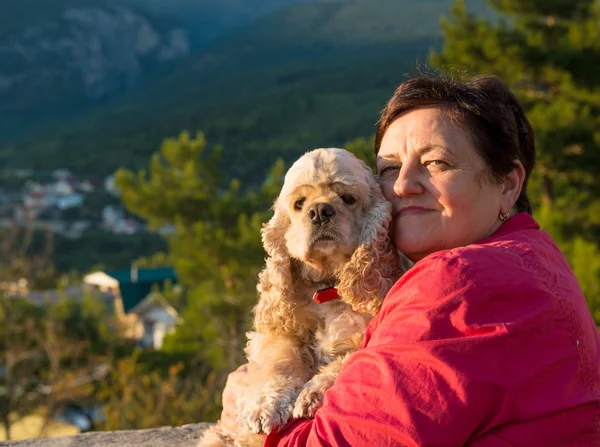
(520, 221)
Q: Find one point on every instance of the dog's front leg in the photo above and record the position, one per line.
(341, 336)
(279, 366)
(311, 397)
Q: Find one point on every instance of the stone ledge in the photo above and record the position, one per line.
(185, 436)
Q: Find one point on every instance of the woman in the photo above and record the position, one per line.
(487, 340)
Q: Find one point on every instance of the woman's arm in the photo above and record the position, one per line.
(432, 372)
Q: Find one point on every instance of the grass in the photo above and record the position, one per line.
(30, 427)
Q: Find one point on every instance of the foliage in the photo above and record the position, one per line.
(158, 259)
(50, 355)
(363, 148)
(216, 247)
(25, 255)
(97, 247)
(548, 52)
(137, 396)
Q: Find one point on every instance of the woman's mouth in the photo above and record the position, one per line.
(412, 210)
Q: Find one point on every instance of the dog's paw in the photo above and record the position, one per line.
(268, 411)
(311, 396)
(215, 437)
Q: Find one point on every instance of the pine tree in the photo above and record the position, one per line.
(216, 248)
(549, 54)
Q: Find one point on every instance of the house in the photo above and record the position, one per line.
(111, 214)
(130, 287)
(69, 201)
(63, 187)
(36, 200)
(156, 318)
(31, 185)
(110, 185)
(126, 226)
(77, 292)
(167, 230)
(88, 185)
(115, 219)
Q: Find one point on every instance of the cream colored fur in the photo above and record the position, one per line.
(298, 347)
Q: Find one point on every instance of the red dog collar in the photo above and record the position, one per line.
(324, 295)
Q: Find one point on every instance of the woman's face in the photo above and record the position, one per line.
(441, 192)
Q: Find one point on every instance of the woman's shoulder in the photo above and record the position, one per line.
(485, 262)
(493, 276)
(494, 259)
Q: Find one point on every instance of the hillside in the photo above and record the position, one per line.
(207, 20)
(308, 75)
(59, 57)
(17, 15)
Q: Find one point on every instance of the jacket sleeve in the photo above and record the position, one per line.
(431, 371)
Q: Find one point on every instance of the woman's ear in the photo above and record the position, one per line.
(511, 187)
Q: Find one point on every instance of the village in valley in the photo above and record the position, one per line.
(64, 204)
(60, 201)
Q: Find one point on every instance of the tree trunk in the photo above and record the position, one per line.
(6, 423)
(547, 193)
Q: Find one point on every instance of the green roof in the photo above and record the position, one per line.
(134, 292)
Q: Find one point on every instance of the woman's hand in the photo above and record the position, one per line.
(236, 385)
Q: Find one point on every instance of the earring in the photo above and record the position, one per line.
(504, 216)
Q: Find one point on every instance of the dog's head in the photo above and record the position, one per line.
(325, 199)
(332, 217)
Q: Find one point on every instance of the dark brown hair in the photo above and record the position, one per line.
(485, 108)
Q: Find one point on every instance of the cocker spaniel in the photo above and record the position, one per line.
(329, 231)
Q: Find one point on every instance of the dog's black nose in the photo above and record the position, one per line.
(321, 213)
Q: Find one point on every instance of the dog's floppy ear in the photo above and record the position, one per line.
(375, 265)
(274, 311)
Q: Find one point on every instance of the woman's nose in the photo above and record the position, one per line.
(408, 183)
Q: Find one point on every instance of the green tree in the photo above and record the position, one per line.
(139, 394)
(363, 148)
(50, 355)
(549, 54)
(215, 248)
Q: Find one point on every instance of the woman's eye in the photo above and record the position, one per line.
(298, 204)
(348, 199)
(388, 169)
(435, 163)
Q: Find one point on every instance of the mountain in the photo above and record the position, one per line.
(60, 57)
(305, 75)
(207, 20)
(70, 54)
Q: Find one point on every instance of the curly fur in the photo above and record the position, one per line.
(373, 268)
(275, 309)
(298, 347)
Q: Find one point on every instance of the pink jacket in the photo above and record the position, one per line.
(489, 345)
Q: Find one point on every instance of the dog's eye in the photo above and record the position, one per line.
(348, 199)
(298, 204)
